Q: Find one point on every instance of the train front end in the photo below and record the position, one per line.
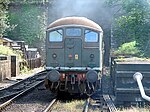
(74, 50)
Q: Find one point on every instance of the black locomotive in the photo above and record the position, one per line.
(74, 53)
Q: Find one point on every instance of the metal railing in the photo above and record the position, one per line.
(138, 77)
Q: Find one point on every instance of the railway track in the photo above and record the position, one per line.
(86, 107)
(22, 88)
(8, 102)
(103, 103)
(109, 103)
(57, 105)
(32, 100)
(19, 87)
(49, 107)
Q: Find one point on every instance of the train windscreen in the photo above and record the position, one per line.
(91, 36)
(56, 36)
(73, 32)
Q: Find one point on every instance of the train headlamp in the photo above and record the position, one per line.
(92, 56)
(54, 55)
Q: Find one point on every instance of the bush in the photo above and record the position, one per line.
(4, 50)
(128, 49)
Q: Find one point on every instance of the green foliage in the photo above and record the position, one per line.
(4, 50)
(71, 106)
(30, 24)
(29, 1)
(128, 49)
(24, 67)
(4, 24)
(132, 22)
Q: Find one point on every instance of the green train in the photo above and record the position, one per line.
(74, 55)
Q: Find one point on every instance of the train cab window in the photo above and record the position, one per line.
(73, 32)
(91, 36)
(56, 36)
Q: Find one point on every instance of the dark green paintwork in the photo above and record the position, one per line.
(73, 48)
(124, 86)
(77, 48)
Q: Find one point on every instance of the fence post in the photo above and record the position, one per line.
(8, 67)
(14, 66)
(1, 75)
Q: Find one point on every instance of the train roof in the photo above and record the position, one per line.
(75, 21)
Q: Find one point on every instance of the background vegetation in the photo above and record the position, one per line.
(128, 49)
(23, 20)
(131, 22)
(4, 24)
(26, 20)
(29, 21)
(8, 51)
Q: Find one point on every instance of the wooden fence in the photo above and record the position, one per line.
(10, 66)
(34, 63)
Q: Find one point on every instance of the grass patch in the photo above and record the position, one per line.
(128, 49)
(135, 109)
(132, 59)
(71, 106)
(78, 105)
(25, 70)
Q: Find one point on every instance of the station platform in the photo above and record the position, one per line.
(8, 82)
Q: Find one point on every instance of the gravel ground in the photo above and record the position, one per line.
(35, 101)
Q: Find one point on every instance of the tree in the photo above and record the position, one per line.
(4, 24)
(132, 22)
(30, 23)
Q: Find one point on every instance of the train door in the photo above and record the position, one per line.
(73, 50)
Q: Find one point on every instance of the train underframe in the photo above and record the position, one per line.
(73, 82)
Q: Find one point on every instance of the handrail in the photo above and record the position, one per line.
(138, 77)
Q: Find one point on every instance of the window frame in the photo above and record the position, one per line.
(73, 35)
(56, 31)
(91, 41)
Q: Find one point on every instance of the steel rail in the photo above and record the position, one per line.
(9, 96)
(22, 81)
(110, 104)
(5, 104)
(86, 107)
(50, 105)
(9, 92)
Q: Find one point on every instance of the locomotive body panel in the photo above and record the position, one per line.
(73, 52)
(73, 55)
